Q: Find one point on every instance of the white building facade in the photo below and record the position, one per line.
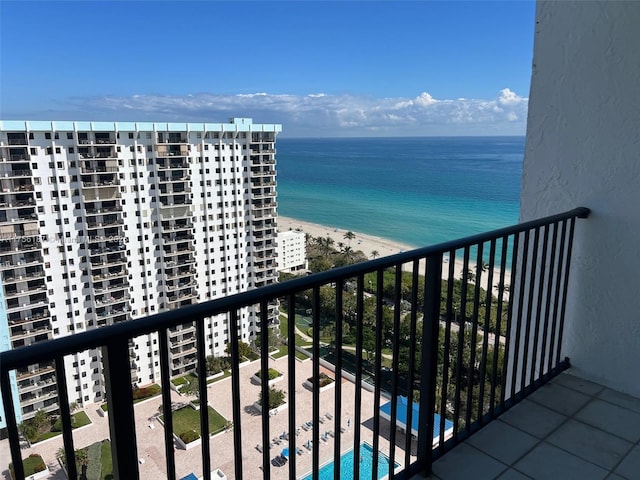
(104, 222)
(292, 253)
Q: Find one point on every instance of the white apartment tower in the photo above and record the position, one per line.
(292, 251)
(104, 222)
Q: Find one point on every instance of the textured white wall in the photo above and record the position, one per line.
(583, 149)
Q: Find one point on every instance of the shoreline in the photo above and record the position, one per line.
(383, 246)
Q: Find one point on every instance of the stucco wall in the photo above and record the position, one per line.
(583, 149)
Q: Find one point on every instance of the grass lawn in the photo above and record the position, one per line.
(32, 464)
(144, 393)
(301, 355)
(184, 380)
(283, 351)
(301, 342)
(79, 419)
(284, 326)
(105, 460)
(187, 418)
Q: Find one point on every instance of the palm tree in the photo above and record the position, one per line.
(375, 254)
(82, 459)
(470, 275)
(349, 236)
(60, 453)
(329, 241)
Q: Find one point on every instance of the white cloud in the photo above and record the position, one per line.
(507, 97)
(321, 114)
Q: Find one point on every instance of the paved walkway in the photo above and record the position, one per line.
(223, 454)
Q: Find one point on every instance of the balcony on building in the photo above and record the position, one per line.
(20, 274)
(181, 175)
(168, 153)
(176, 235)
(15, 154)
(264, 137)
(104, 138)
(177, 225)
(98, 208)
(174, 188)
(102, 274)
(33, 383)
(563, 400)
(173, 137)
(174, 200)
(176, 212)
(16, 200)
(18, 138)
(263, 171)
(18, 171)
(100, 166)
(172, 272)
(165, 163)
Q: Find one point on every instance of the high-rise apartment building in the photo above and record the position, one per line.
(104, 222)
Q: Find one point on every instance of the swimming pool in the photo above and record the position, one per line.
(346, 465)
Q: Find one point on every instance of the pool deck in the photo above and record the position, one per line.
(151, 440)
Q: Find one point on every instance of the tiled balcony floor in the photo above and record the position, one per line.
(569, 429)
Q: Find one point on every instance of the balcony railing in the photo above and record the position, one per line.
(465, 345)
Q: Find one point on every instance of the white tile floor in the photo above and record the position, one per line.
(569, 429)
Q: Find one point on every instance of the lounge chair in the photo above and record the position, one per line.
(259, 448)
(329, 416)
(332, 433)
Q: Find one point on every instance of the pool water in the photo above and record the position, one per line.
(346, 465)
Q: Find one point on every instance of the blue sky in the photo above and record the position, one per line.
(337, 68)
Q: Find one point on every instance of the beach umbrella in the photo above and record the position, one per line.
(285, 452)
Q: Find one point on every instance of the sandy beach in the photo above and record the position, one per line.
(369, 244)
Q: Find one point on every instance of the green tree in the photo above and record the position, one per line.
(276, 398)
(349, 236)
(244, 349)
(374, 254)
(33, 427)
(369, 342)
(272, 338)
(190, 389)
(216, 364)
(82, 461)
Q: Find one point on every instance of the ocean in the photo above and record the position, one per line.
(417, 191)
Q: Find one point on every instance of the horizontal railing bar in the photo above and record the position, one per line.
(41, 351)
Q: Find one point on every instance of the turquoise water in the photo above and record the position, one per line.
(346, 465)
(417, 191)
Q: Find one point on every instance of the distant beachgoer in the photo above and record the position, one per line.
(348, 422)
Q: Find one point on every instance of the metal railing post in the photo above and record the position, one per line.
(429, 362)
(122, 424)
